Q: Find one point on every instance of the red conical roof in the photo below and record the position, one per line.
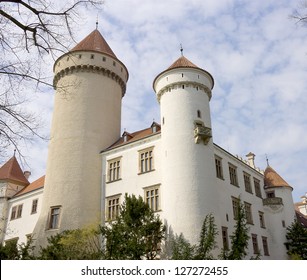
(94, 42)
(273, 179)
(11, 171)
(182, 62)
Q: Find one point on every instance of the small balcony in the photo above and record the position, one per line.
(272, 201)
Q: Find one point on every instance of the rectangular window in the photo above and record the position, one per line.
(152, 197)
(113, 206)
(34, 206)
(16, 212)
(255, 244)
(235, 207)
(219, 167)
(270, 194)
(114, 170)
(13, 214)
(261, 219)
(257, 187)
(265, 246)
(248, 213)
(247, 182)
(233, 175)
(146, 160)
(19, 211)
(54, 217)
(225, 238)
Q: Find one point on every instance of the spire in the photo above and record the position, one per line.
(94, 42)
(11, 171)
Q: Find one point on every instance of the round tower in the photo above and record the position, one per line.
(188, 175)
(90, 82)
(279, 210)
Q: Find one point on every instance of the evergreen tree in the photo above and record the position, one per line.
(297, 241)
(239, 238)
(181, 249)
(135, 234)
(207, 239)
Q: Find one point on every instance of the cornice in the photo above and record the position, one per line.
(92, 69)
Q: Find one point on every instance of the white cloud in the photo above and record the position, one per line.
(255, 53)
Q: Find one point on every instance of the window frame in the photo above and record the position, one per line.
(146, 162)
(225, 238)
(257, 187)
(154, 197)
(233, 174)
(54, 218)
(235, 207)
(218, 167)
(112, 207)
(248, 213)
(247, 182)
(265, 245)
(261, 219)
(255, 244)
(34, 206)
(114, 172)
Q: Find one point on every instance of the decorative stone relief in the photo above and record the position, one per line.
(202, 134)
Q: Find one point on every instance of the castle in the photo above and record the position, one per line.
(174, 165)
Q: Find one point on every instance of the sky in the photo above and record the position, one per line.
(255, 51)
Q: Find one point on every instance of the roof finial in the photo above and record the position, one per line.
(267, 160)
(181, 49)
(14, 152)
(97, 22)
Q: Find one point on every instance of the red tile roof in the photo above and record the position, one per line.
(11, 171)
(273, 179)
(132, 137)
(182, 62)
(35, 185)
(94, 42)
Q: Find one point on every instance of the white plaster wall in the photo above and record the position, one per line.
(187, 169)
(86, 120)
(132, 182)
(19, 228)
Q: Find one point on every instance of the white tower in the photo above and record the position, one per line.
(188, 175)
(280, 212)
(90, 82)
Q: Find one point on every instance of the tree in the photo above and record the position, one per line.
(181, 249)
(78, 244)
(301, 15)
(135, 234)
(239, 238)
(207, 239)
(296, 241)
(31, 32)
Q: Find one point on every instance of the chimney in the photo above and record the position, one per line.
(251, 159)
(27, 174)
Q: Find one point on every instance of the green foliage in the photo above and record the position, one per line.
(239, 238)
(296, 241)
(207, 239)
(13, 251)
(135, 234)
(78, 244)
(9, 251)
(181, 248)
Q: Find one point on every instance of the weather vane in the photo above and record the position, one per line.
(97, 22)
(267, 160)
(181, 49)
